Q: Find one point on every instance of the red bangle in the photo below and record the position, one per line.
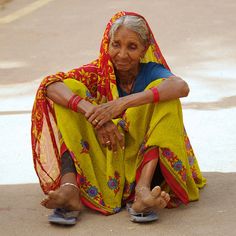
(156, 96)
(73, 102)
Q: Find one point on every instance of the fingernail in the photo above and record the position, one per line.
(123, 147)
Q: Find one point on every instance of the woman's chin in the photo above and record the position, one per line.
(122, 68)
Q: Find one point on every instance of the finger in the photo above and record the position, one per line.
(92, 117)
(121, 139)
(113, 144)
(88, 113)
(108, 143)
(102, 118)
(101, 122)
(101, 140)
(94, 123)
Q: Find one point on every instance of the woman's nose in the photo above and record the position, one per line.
(122, 53)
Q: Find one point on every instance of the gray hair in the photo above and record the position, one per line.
(134, 23)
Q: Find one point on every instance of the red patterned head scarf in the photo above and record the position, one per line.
(107, 81)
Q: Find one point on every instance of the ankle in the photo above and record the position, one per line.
(143, 183)
(141, 188)
(71, 185)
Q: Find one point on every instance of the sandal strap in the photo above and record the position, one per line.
(134, 213)
(66, 214)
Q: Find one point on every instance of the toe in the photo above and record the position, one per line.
(51, 201)
(156, 191)
(167, 199)
(165, 196)
(163, 204)
(44, 201)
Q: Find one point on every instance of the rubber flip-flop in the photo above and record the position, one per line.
(144, 217)
(63, 217)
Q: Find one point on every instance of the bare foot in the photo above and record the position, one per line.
(161, 197)
(146, 199)
(66, 197)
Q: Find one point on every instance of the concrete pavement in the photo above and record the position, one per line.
(214, 214)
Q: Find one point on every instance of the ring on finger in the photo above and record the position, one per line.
(96, 120)
(108, 142)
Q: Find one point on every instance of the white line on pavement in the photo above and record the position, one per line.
(24, 11)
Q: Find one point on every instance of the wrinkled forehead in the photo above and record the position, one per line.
(125, 35)
(135, 24)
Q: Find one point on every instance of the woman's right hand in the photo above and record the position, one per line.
(109, 136)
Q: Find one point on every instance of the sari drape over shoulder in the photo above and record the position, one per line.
(106, 180)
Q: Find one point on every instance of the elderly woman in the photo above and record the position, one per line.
(111, 132)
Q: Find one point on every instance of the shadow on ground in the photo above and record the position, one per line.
(226, 102)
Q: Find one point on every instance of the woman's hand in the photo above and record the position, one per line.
(103, 113)
(109, 136)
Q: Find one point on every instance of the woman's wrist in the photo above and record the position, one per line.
(123, 103)
(73, 102)
(78, 104)
(83, 106)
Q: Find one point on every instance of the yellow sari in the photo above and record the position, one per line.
(106, 179)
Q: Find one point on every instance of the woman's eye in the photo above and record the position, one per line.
(115, 45)
(133, 47)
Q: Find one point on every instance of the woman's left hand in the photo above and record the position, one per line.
(102, 113)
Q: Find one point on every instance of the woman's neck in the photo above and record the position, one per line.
(127, 78)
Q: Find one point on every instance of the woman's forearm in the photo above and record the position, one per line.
(137, 99)
(171, 88)
(59, 93)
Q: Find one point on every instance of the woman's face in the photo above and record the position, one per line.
(126, 49)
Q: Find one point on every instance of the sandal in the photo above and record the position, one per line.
(141, 217)
(63, 217)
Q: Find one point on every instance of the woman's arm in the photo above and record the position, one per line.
(59, 93)
(108, 135)
(171, 88)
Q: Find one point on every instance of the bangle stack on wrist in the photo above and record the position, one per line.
(156, 96)
(73, 102)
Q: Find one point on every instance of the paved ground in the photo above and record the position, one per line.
(214, 214)
(197, 38)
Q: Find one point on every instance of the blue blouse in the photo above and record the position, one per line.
(148, 72)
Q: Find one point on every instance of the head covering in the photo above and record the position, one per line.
(99, 77)
(106, 71)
